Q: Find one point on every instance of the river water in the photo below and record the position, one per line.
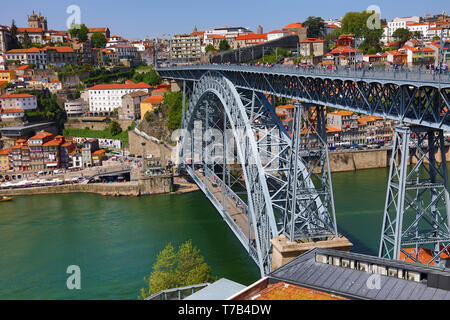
(115, 241)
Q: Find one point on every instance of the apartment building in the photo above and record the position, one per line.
(29, 56)
(186, 48)
(18, 101)
(35, 144)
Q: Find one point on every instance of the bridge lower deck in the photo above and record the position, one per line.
(232, 207)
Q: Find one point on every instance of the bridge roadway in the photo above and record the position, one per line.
(232, 207)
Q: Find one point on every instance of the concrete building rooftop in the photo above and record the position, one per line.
(219, 290)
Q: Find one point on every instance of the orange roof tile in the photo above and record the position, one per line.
(16, 96)
(285, 291)
(99, 152)
(252, 36)
(294, 25)
(5, 151)
(29, 30)
(342, 113)
(155, 100)
(13, 111)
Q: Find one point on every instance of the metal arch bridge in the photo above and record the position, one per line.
(285, 188)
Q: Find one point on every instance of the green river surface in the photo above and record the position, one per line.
(115, 241)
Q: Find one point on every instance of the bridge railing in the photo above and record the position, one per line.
(177, 293)
(380, 73)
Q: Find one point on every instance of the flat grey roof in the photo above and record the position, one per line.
(30, 126)
(352, 283)
(219, 290)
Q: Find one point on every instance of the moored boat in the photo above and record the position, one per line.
(4, 199)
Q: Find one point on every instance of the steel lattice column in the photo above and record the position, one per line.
(310, 212)
(416, 214)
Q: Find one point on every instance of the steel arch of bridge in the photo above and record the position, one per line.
(266, 156)
(415, 98)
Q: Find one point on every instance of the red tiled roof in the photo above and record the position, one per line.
(294, 26)
(12, 111)
(60, 49)
(37, 136)
(29, 30)
(425, 49)
(52, 143)
(252, 36)
(30, 50)
(5, 151)
(98, 30)
(24, 67)
(16, 96)
(120, 86)
(99, 152)
(216, 36)
(155, 100)
(309, 40)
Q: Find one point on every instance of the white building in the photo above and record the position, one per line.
(227, 32)
(75, 108)
(105, 98)
(18, 101)
(395, 24)
(12, 114)
(116, 40)
(77, 160)
(36, 34)
(277, 34)
(125, 51)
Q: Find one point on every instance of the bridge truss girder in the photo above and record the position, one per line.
(419, 103)
(263, 149)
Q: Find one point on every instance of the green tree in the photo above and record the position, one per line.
(356, 24)
(15, 42)
(223, 45)
(80, 32)
(175, 102)
(436, 38)
(26, 40)
(316, 27)
(174, 269)
(402, 35)
(115, 128)
(98, 40)
(209, 48)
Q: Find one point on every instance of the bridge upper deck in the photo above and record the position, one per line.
(417, 77)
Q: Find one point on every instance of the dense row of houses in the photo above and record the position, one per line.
(44, 152)
(346, 128)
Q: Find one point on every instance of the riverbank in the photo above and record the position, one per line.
(354, 160)
(128, 189)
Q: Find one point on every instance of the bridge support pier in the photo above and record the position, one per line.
(310, 212)
(416, 215)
